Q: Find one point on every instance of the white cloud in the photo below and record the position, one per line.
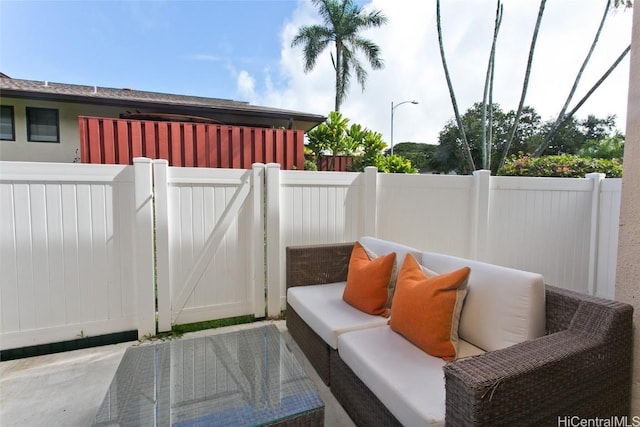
(246, 84)
(413, 69)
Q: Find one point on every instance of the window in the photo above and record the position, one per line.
(42, 125)
(7, 127)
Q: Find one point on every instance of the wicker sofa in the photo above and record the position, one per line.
(581, 366)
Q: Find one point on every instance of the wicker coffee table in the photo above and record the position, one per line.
(243, 378)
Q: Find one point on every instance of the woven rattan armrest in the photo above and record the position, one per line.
(314, 265)
(583, 370)
(317, 264)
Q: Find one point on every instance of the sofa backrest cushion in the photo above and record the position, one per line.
(503, 306)
(383, 247)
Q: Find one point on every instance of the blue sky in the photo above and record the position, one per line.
(240, 49)
(190, 47)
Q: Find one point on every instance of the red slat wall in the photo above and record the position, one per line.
(339, 163)
(118, 141)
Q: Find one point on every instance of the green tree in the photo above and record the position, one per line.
(574, 134)
(343, 21)
(450, 153)
(530, 131)
(420, 155)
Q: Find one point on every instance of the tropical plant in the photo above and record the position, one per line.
(329, 137)
(343, 21)
(609, 147)
(336, 137)
(372, 146)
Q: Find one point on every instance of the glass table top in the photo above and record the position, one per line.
(242, 378)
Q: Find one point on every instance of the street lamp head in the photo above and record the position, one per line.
(393, 107)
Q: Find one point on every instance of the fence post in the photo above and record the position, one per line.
(370, 200)
(275, 281)
(596, 179)
(143, 244)
(258, 244)
(163, 278)
(480, 211)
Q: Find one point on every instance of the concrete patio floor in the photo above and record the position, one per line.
(66, 389)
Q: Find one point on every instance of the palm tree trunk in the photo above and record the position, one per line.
(467, 150)
(540, 149)
(561, 116)
(525, 85)
(488, 93)
(338, 67)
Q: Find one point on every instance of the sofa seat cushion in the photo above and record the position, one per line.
(502, 307)
(408, 381)
(323, 310)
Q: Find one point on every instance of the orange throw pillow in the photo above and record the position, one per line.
(368, 281)
(426, 309)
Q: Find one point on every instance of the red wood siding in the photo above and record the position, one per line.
(118, 141)
(337, 163)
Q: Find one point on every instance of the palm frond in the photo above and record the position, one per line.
(370, 50)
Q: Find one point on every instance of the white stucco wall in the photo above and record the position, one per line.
(628, 270)
(65, 150)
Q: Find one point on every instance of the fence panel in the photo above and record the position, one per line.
(211, 235)
(542, 225)
(310, 208)
(428, 212)
(608, 230)
(67, 252)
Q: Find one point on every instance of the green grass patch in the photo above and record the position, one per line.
(211, 324)
(178, 330)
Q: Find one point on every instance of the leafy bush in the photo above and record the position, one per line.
(564, 165)
(395, 164)
(310, 166)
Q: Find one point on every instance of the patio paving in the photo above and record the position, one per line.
(66, 389)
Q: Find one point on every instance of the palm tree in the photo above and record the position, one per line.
(343, 20)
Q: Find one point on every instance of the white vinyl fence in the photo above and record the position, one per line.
(94, 249)
(71, 252)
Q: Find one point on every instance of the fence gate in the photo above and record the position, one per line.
(210, 240)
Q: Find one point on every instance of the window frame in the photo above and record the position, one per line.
(13, 123)
(29, 110)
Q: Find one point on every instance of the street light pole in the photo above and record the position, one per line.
(392, 110)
